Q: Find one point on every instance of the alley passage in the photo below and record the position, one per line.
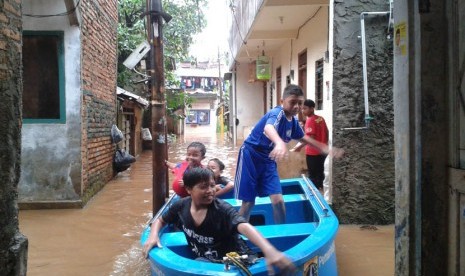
(103, 237)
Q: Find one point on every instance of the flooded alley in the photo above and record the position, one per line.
(103, 237)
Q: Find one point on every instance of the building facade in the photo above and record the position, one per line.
(400, 122)
(203, 84)
(69, 104)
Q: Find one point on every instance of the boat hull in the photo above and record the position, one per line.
(307, 237)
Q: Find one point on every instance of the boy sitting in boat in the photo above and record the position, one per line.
(195, 154)
(212, 226)
(224, 185)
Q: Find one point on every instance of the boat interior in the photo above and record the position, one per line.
(301, 221)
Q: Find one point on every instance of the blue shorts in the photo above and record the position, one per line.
(256, 175)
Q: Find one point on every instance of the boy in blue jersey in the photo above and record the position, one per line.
(257, 173)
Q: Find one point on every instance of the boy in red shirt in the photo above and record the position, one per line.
(315, 127)
(195, 154)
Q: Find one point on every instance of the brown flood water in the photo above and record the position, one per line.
(103, 237)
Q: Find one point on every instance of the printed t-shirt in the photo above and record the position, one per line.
(216, 235)
(315, 127)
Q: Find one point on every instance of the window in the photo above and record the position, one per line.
(201, 117)
(43, 77)
(319, 84)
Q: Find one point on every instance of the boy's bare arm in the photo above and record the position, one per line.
(153, 238)
(325, 149)
(279, 151)
(170, 165)
(298, 147)
(221, 191)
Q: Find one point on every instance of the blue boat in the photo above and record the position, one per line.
(307, 237)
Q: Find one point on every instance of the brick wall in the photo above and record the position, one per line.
(13, 245)
(99, 61)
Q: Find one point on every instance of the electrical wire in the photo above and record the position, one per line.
(310, 18)
(231, 6)
(57, 14)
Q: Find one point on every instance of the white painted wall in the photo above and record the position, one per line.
(313, 37)
(249, 103)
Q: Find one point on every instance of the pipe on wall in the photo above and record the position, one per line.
(368, 118)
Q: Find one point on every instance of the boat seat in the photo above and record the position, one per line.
(287, 230)
(268, 231)
(266, 200)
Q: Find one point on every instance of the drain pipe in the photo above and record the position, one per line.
(368, 118)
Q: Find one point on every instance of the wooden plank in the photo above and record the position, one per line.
(72, 17)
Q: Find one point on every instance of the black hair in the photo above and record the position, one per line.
(292, 89)
(309, 103)
(218, 161)
(197, 175)
(200, 146)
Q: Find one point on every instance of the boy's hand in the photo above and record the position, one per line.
(149, 244)
(279, 152)
(279, 260)
(169, 164)
(336, 152)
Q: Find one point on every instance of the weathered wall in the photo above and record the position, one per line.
(98, 80)
(72, 161)
(13, 245)
(50, 157)
(249, 101)
(363, 181)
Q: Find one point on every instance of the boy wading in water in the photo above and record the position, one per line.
(212, 226)
(257, 173)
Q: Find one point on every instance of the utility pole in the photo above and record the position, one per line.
(158, 104)
(221, 105)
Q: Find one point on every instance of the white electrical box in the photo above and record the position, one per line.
(137, 55)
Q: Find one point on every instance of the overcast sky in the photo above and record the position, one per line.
(215, 35)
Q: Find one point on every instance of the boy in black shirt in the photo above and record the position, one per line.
(211, 225)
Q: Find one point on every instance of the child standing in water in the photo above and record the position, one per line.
(223, 184)
(195, 154)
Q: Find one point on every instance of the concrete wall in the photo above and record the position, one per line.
(430, 184)
(363, 181)
(13, 245)
(51, 153)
